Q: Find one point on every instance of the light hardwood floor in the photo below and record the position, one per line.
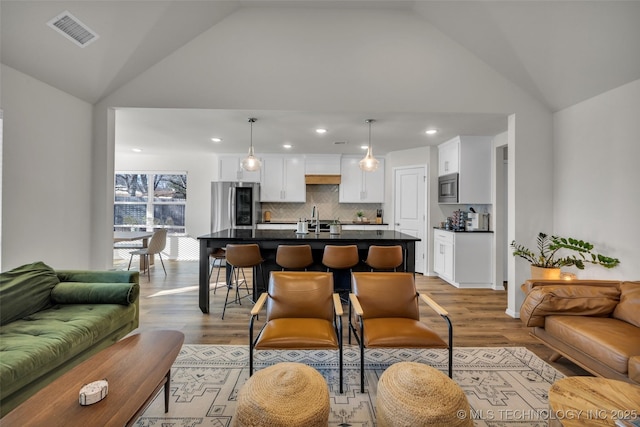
(478, 315)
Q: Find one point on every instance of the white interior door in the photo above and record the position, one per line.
(409, 209)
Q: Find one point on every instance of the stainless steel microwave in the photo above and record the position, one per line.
(448, 188)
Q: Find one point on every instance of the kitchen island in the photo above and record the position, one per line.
(268, 240)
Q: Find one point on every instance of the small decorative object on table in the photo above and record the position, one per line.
(93, 392)
(359, 216)
(334, 227)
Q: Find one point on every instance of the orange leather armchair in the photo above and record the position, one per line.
(302, 312)
(386, 314)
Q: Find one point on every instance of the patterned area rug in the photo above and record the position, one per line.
(504, 386)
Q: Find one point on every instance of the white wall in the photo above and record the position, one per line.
(373, 60)
(46, 186)
(597, 178)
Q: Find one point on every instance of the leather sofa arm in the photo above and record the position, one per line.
(531, 284)
(567, 300)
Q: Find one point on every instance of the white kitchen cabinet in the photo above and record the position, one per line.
(448, 157)
(322, 164)
(470, 157)
(463, 259)
(282, 179)
(443, 254)
(358, 186)
(230, 170)
(366, 227)
(281, 226)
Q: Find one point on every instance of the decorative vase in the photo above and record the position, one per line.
(545, 273)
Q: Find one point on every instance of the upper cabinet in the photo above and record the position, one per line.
(322, 164)
(470, 157)
(358, 186)
(448, 157)
(282, 179)
(230, 170)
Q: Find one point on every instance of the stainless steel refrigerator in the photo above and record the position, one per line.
(234, 205)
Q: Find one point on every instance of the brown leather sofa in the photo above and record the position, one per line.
(593, 323)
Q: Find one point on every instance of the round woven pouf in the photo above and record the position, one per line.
(413, 394)
(285, 394)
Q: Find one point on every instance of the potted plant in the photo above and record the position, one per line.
(359, 214)
(552, 254)
(334, 227)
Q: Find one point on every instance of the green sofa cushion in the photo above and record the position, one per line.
(25, 290)
(95, 293)
(47, 339)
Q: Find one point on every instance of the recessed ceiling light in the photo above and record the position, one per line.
(364, 147)
(215, 139)
(431, 131)
(287, 146)
(136, 150)
(321, 131)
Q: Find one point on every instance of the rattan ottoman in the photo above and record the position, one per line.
(414, 394)
(285, 394)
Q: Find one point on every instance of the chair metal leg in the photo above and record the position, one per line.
(229, 286)
(130, 258)
(361, 356)
(148, 267)
(450, 345)
(162, 262)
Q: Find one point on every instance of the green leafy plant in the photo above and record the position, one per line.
(359, 214)
(549, 253)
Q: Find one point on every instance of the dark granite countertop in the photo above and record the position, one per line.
(462, 231)
(324, 222)
(346, 235)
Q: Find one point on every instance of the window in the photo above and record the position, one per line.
(144, 202)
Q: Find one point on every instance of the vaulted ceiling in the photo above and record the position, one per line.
(560, 52)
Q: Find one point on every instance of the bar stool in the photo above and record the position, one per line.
(384, 257)
(341, 259)
(218, 259)
(240, 257)
(294, 257)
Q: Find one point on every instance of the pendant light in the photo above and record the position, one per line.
(369, 163)
(251, 162)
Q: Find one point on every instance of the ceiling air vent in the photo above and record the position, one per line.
(71, 27)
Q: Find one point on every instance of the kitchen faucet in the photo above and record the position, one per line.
(315, 216)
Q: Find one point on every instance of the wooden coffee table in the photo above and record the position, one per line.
(582, 401)
(137, 368)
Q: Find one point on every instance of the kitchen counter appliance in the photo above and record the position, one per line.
(235, 205)
(448, 188)
(477, 221)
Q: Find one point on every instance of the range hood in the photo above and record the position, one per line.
(322, 179)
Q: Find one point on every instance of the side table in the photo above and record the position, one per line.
(592, 401)
(136, 367)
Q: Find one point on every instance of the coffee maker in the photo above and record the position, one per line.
(477, 221)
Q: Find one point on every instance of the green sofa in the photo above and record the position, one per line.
(52, 320)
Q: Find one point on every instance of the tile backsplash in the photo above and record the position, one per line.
(325, 197)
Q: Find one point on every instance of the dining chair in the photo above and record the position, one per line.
(384, 313)
(156, 246)
(239, 257)
(294, 257)
(302, 313)
(384, 257)
(218, 259)
(341, 259)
